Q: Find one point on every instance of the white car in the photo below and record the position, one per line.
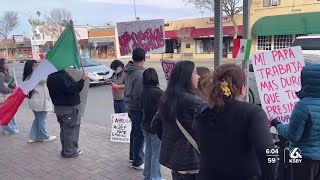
(98, 73)
(253, 88)
(310, 44)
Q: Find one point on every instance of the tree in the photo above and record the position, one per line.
(8, 22)
(55, 22)
(183, 35)
(229, 7)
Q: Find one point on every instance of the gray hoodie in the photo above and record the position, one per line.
(133, 86)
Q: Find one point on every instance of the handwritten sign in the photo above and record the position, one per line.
(167, 67)
(121, 128)
(148, 35)
(278, 77)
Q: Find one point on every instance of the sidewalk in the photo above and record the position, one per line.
(101, 159)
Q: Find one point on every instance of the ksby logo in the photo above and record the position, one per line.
(295, 156)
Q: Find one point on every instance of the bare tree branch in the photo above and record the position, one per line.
(55, 22)
(183, 34)
(229, 7)
(8, 22)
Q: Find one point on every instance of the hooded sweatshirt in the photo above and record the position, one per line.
(133, 86)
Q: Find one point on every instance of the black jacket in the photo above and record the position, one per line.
(233, 141)
(177, 153)
(64, 91)
(150, 104)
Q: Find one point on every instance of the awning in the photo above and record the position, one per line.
(302, 23)
(209, 32)
(170, 34)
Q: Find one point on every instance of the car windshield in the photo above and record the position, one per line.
(308, 43)
(89, 62)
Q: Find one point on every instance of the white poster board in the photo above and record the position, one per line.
(167, 66)
(148, 35)
(121, 128)
(278, 77)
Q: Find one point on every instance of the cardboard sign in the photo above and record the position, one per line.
(148, 35)
(167, 67)
(278, 77)
(121, 128)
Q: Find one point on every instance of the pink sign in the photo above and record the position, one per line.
(167, 67)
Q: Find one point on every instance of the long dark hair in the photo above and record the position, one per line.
(27, 71)
(150, 77)
(179, 82)
(2, 69)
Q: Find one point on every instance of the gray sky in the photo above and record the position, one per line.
(98, 12)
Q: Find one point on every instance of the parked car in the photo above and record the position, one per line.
(309, 44)
(98, 73)
(22, 58)
(253, 88)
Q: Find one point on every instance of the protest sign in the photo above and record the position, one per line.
(278, 78)
(167, 67)
(148, 35)
(121, 128)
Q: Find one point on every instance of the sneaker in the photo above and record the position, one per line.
(79, 152)
(139, 167)
(51, 138)
(130, 161)
(31, 141)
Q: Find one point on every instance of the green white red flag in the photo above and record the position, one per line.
(241, 49)
(63, 55)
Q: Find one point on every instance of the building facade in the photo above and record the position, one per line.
(102, 42)
(276, 23)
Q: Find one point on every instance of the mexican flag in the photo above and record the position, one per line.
(63, 55)
(241, 49)
(12, 83)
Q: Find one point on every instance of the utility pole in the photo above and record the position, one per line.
(135, 10)
(218, 33)
(246, 23)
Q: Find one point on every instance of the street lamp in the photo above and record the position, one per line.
(135, 11)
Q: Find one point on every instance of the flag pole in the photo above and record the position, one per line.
(75, 39)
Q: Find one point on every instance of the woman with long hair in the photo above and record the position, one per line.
(233, 136)
(178, 104)
(5, 91)
(40, 103)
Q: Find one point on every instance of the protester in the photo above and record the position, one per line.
(133, 89)
(303, 129)
(232, 135)
(150, 104)
(65, 95)
(118, 86)
(40, 103)
(203, 72)
(178, 103)
(5, 90)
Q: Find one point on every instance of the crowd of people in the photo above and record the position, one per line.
(199, 126)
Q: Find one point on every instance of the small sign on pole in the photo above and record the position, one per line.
(121, 128)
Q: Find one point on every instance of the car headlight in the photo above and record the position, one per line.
(92, 74)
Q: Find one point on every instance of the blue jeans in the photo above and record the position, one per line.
(152, 168)
(38, 130)
(119, 106)
(11, 128)
(136, 138)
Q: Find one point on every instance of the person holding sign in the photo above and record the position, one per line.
(117, 83)
(150, 104)
(304, 126)
(232, 135)
(177, 107)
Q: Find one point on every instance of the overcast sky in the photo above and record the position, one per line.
(98, 12)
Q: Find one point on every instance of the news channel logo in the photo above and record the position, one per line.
(292, 156)
(295, 156)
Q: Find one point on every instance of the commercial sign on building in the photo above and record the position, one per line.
(148, 35)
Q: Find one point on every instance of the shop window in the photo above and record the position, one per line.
(188, 46)
(282, 41)
(264, 43)
(205, 46)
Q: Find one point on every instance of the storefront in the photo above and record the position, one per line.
(102, 43)
(276, 32)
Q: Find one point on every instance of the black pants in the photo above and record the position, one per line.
(177, 176)
(69, 132)
(136, 139)
(306, 170)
